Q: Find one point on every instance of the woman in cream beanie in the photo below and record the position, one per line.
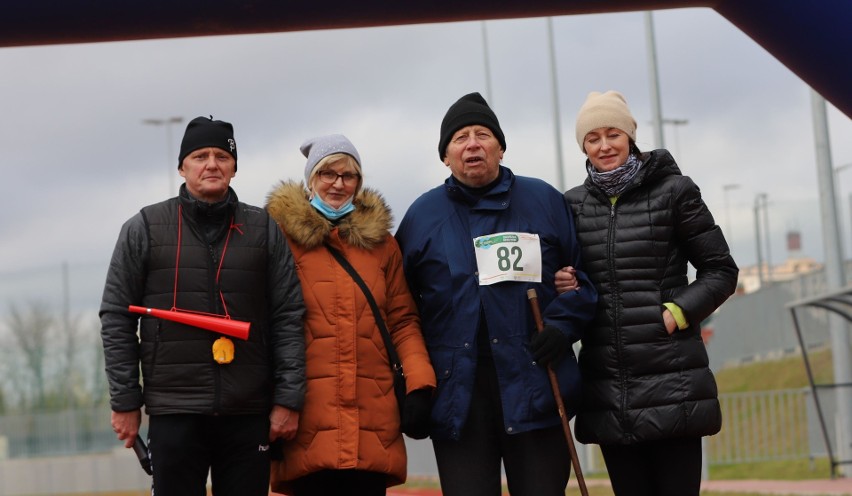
(648, 392)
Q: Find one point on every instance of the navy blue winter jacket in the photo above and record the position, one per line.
(436, 236)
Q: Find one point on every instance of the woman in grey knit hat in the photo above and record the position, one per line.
(648, 392)
(349, 439)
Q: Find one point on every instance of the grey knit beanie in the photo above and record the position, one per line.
(604, 110)
(316, 149)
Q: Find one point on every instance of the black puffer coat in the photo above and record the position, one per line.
(640, 383)
(258, 282)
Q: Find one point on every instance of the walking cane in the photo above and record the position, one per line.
(554, 385)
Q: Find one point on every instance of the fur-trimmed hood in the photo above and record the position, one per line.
(339, 323)
(365, 227)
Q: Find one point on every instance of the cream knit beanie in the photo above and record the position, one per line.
(604, 110)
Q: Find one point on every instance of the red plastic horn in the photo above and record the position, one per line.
(234, 328)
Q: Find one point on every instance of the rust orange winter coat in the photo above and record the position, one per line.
(350, 419)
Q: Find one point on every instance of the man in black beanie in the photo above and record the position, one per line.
(472, 247)
(203, 132)
(213, 403)
(469, 109)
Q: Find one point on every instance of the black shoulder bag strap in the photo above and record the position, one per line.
(393, 358)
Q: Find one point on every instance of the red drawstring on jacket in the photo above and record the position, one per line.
(231, 227)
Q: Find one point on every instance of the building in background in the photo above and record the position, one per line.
(794, 266)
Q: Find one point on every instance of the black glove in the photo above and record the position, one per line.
(549, 346)
(416, 414)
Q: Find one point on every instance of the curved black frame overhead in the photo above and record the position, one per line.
(812, 39)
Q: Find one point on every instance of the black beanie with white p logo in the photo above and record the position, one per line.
(202, 132)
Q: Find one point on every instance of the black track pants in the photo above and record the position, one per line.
(537, 463)
(670, 467)
(234, 449)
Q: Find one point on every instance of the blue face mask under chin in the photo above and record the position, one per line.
(330, 212)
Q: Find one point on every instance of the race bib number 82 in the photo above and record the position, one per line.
(508, 256)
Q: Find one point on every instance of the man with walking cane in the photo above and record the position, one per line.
(472, 247)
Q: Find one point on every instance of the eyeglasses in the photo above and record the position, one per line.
(330, 177)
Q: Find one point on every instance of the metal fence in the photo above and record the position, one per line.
(69, 432)
(757, 426)
(764, 426)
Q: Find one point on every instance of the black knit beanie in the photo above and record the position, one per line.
(468, 110)
(202, 132)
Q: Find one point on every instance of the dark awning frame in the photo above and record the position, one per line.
(812, 39)
(840, 303)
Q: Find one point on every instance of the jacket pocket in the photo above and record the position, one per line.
(443, 362)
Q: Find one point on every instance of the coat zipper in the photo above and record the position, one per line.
(616, 318)
(217, 373)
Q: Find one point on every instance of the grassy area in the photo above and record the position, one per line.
(785, 373)
(782, 374)
(776, 470)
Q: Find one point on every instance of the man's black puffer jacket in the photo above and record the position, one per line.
(640, 383)
(258, 284)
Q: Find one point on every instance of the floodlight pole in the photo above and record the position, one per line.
(760, 202)
(168, 123)
(656, 106)
(728, 226)
(837, 171)
(487, 63)
(557, 127)
(835, 276)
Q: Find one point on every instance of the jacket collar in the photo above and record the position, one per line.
(656, 164)
(497, 198)
(199, 210)
(366, 227)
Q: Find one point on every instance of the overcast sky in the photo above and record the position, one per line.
(78, 161)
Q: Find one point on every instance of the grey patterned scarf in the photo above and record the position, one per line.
(614, 182)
